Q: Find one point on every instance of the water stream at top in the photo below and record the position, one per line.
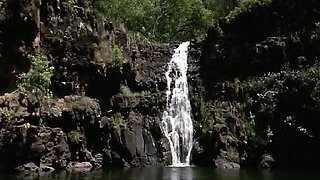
(176, 121)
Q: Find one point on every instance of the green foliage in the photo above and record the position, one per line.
(163, 21)
(125, 90)
(316, 32)
(68, 36)
(71, 3)
(116, 121)
(95, 46)
(259, 100)
(204, 114)
(117, 59)
(232, 8)
(202, 107)
(230, 155)
(8, 113)
(38, 79)
(26, 126)
(41, 127)
(246, 6)
(219, 107)
(249, 126)
(220, 8)
(272, 107)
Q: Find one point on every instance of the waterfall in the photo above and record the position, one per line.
(176, 121)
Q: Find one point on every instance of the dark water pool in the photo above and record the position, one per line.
(167, 173)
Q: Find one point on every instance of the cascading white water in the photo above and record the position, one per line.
(176, 122)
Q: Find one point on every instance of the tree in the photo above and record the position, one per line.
(182, 19)
(159, 20)
(221, 7)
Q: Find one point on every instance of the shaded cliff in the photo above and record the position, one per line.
(259, 69)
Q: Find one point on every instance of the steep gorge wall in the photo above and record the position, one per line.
(98, 115)
(259, 87)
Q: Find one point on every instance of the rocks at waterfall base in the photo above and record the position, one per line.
(74, 135)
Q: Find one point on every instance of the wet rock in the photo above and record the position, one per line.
(133, 140)
(46, 169)
(98, 161)
(27, 168)
(141, 146)
(103, 122)
(80, 166)
(149, 144)
(267, 161)
(220, 129)
(222, 164)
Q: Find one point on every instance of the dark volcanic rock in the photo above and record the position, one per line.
(79, 166)
(267, 161)
(28, 167)
(90, 119)
(253, 98)
(75, 132)
(221, 164)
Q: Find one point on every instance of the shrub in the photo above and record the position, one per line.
(125, 90)
(38, 79)
(8, 113)
(117, 59)
(117, 122)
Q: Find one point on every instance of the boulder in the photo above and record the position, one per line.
(222, 164)
(80, 166)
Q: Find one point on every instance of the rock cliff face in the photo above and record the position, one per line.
(258, 97)
(99, 115)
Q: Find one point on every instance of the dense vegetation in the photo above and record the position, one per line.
(260, 67)
(165, 20)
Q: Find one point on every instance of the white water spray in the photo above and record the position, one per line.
(176, 122)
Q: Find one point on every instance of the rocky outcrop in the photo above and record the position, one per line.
(47, 136)
(71, 131)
